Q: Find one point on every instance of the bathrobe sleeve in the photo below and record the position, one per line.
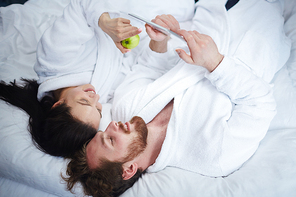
(157, 75)
(253, 109)
(127, 98)
(69, 46)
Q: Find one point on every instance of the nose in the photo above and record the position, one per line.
(94, 98)
(99, 106)
(112, 127)
(116, 128)
(97, 97)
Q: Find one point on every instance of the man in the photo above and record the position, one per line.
(206, 114)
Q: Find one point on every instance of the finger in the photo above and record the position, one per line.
(129, 32)
(175, 24)
(193, 46)
(181, 32)
(198, 37)
(195, 36)
(171, 22)
(125, 32)
(197, 33)
(124, 20)
(121, 48)
(155, 34)
(160, 22)
(184, 56)
(174, 21)
(191, 42)
(170, 25)
(166, 20)
(203, 37)
(187, 35)
(151, 30)
(202, 40)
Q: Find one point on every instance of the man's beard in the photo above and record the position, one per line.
(139, 143)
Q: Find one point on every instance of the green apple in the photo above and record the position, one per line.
(131, 42)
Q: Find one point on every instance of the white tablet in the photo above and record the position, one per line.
(156, 26)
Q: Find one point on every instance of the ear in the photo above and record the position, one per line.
(129, 170)
(57, 103)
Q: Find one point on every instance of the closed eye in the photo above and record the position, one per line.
(86, 102)
(100, 112)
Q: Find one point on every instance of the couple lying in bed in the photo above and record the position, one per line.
(205, 111)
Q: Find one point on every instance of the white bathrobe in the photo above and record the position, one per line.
(218, 118)
(75, 51)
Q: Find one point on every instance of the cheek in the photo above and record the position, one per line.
(123, 142)
(72, 93)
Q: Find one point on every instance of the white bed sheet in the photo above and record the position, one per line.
(25, 171)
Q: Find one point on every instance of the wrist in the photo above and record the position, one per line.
(159, 46)
(103, 20)
(216, 63)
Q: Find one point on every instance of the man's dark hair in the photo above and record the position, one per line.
(54, 130)
(104, 181)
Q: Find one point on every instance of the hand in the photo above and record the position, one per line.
(159, 40)
(166, 21)
(203, 50)
(118, 29)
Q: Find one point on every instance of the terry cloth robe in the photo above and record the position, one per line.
(218, 118)
(75, 50)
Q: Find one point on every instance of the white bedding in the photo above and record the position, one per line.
(25, 171)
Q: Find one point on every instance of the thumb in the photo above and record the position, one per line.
(150, 31)
(121, 48)
(184, 56)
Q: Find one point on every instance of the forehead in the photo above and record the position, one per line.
(92, 151)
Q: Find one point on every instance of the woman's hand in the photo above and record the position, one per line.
(159, 40)
(203, 50)
(118, 29)
(166, 21)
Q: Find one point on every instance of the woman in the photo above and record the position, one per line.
(77, 51)
(54, 129)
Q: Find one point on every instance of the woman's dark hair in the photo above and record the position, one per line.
(54, 130)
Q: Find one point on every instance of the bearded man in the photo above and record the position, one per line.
(205, 113)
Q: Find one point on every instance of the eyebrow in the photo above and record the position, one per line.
(103, 140)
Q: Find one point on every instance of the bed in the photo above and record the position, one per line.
(26, 171)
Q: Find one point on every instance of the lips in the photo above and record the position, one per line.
(90, 90)
(127, 126)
